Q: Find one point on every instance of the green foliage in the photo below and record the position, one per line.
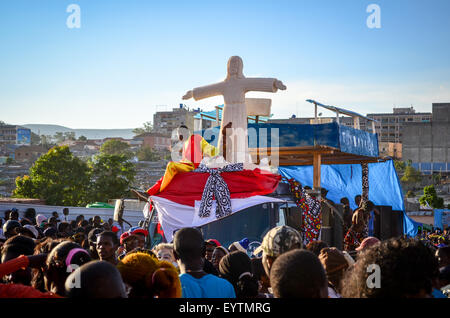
(410, 194)
(115, 147)
(58, 177)
(411, 175)
(399, 166)
(430, 196)
(148, 127)
(60, 137)
(82, 138)
(148, 154)
(111, 176)
(9, 160)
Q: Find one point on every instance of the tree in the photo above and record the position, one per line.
(58, 177)
(59, 137)
(9, 160)
(111, 176)
(431, 198)
(399, 166)
(147, 154)
(148, 127)
(82, 138)
(115, 147)
(69, 135)
(411, 175)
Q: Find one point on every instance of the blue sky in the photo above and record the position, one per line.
(131, 58)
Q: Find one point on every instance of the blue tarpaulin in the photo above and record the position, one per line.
(346, 181)
(346, 139)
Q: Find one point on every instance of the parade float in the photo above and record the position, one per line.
(245, 176)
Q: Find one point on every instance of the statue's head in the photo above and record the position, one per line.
(235, 67)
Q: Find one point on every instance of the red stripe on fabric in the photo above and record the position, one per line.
(186, 188)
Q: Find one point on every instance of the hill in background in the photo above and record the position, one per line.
(42, 129)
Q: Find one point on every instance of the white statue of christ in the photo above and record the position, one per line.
(233, 89)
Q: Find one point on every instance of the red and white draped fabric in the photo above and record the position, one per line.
(180, 204)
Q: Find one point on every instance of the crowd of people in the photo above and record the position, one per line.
(49, 257)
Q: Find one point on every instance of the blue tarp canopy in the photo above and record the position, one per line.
(297, 142)
(345, 180)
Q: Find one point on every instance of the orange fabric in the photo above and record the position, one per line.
(14, 265)
(193, 150)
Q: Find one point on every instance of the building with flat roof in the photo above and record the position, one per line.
(166, 122)
(427, 144)
(390, 126)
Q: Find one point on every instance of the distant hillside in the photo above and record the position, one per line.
(43, 129)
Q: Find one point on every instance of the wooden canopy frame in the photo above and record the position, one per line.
(311, 156)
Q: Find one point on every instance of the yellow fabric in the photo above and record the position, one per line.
(173, 168)
(209, 149)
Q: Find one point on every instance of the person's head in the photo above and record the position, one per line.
(129, 242)
(96, 279)
(260, 274)
(66, 211)
(357, 200)
(218, 254)
(30, 214)
(7, 213)
(345, 202)
(147, 277)
(236, 267)
(110, 222)
(29, 231)
(50, 232)
(14, 215)
(55, 214)
(235, 67)
(79, 218)
(189, 246)
(323, 192)
(64, 258)
(41, 220)
(335, 265)
(53, 221)
(277, 241)
(367, 243)
(96, 221)
(64, 229)
(443, 256)
(407, 267)
(13, 248)
(164, 252)
(11, 228)
(444, 276)
(83, 223)
(211, 244)
(140, 235)
(45, 246)
(316, 246)
(107, 244)
(298, 274)
(241, 245)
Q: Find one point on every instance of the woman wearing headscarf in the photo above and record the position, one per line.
(147, 277)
